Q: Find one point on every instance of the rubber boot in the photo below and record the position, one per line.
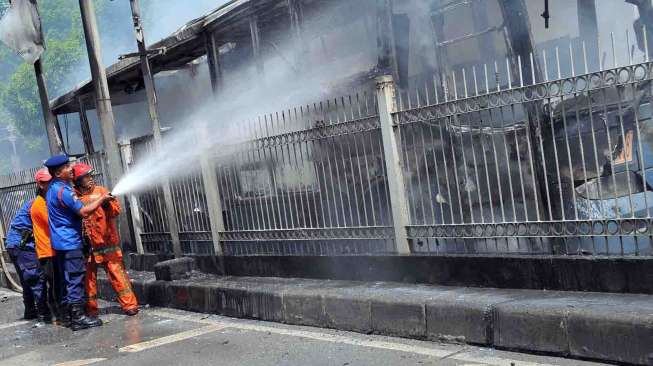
(80, 321)
(131, 312)
(30, 312)
(44, 316)
(63, 315)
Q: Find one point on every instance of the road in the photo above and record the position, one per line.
(160, 336)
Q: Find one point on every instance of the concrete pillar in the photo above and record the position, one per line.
(589, 31)
(209, 178)
(103, 103)
(102, 96)
(85, 128)
(213, 201)
(296, 13)
(134, 207)
(148, 80)
(214, 63)
(256, 43)
(385, 95)
(387, 51)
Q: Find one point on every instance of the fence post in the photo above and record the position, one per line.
(2, 233)
(209, 177)
(134, 208)
(385, 95)
(213, 202)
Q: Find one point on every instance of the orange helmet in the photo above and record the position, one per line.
(81, 169)
(42, 175)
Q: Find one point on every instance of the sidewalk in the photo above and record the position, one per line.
(600, 326)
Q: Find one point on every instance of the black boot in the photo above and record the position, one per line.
(80, 321)
(63, 315)
(30, 313)
(44, 316)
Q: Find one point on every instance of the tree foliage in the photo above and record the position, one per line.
(64, 49)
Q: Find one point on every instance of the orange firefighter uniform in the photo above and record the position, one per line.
(101, 232)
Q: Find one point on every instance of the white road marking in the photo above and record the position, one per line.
(14, 324)
(464, 356)
(172, 338)
(81, 362)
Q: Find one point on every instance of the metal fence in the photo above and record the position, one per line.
(18, 188)
(190, 205)
(494, 158)
(522, 156)
(501, 161)
(309, 180)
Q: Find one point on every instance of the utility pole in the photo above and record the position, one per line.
(148, 80)
(103, 104)
(102, 97)
(51, 124)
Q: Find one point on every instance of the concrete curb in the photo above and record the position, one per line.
(537, 272)
(607, 327)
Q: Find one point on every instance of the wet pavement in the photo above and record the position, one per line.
(160, 336)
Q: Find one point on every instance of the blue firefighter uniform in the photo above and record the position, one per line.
(65, 224)
(21, 249)
(66, 238)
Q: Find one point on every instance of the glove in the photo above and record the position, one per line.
(26, 237)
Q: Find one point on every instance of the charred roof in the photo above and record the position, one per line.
(229, 22)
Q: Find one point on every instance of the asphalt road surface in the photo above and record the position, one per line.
(169, 337)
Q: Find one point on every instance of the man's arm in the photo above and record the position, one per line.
(87, 210)
(112, 207)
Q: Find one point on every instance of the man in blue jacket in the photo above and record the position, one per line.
(20, 246)
(65, 213)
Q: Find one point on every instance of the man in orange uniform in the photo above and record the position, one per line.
(44, 251)
(101, 233)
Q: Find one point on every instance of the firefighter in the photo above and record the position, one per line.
(101, 233)
(20, 246)
(65, 212)
(44, 251)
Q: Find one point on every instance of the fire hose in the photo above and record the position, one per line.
(16, 286)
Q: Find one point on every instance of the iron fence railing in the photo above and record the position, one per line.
(190, 205)
(18, 188)
(559, 166)
(523, 156)
(310, 181)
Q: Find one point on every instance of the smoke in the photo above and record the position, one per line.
(290, 79)
(160, 19)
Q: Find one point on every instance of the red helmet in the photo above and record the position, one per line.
(42, 175)
(81, 169)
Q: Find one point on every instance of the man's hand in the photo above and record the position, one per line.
(106, 197)
(91, 207)
(107, 202)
